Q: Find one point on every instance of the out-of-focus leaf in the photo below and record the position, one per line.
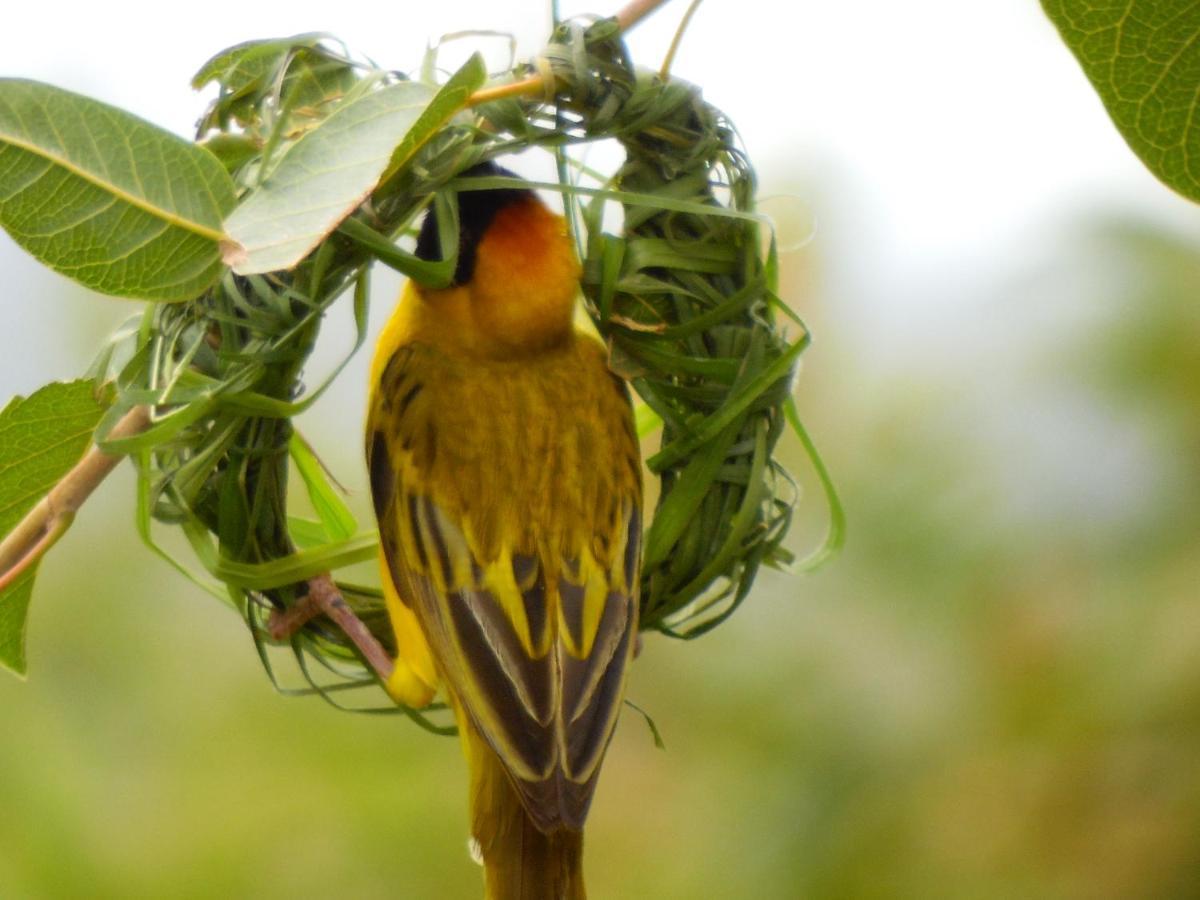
(276, 89)
(1143, 58)
(108, 199)
(325, 175)
(243, 66)
(41, 438)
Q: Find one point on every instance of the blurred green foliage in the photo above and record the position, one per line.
(994, 692)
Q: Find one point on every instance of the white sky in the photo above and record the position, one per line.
(955, 118)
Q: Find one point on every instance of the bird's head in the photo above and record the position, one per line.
(517, 271)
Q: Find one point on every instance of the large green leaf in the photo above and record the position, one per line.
(108, 199)
(41, 438)
(1143, 58)
(325, 175)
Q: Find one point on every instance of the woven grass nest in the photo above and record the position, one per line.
(684, 295)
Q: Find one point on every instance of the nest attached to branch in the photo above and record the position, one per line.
(685, 297)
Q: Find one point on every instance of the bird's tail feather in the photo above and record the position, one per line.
(520, 861)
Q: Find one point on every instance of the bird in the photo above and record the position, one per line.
(506, 478)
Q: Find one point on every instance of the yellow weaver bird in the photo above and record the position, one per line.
(506, 476)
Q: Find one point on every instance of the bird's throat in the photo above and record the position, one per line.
(522, 294)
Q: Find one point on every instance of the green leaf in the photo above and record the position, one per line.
(244, 66)
(298, 566)
(1143, 58)
(451, 99)
(326, 174)
(655, 734)
(41, 438)
(232, 150)
(275, 89)
(331, 509)
(108, 199)
(307, 533)
(14, 612)
(679, 507)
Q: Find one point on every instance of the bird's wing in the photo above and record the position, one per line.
(532, 642)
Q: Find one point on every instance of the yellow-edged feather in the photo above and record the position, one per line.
(506, 475)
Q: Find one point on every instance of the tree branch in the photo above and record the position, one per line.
(50, 518)
(52, 515)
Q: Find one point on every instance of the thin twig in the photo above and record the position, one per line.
(636, 11)
(48, 539)
(534, 84)
(627, 18)
(46, 522)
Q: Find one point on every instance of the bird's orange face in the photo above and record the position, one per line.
(526, 277)
(516, 281)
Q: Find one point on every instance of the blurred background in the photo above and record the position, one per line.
(993, 692)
